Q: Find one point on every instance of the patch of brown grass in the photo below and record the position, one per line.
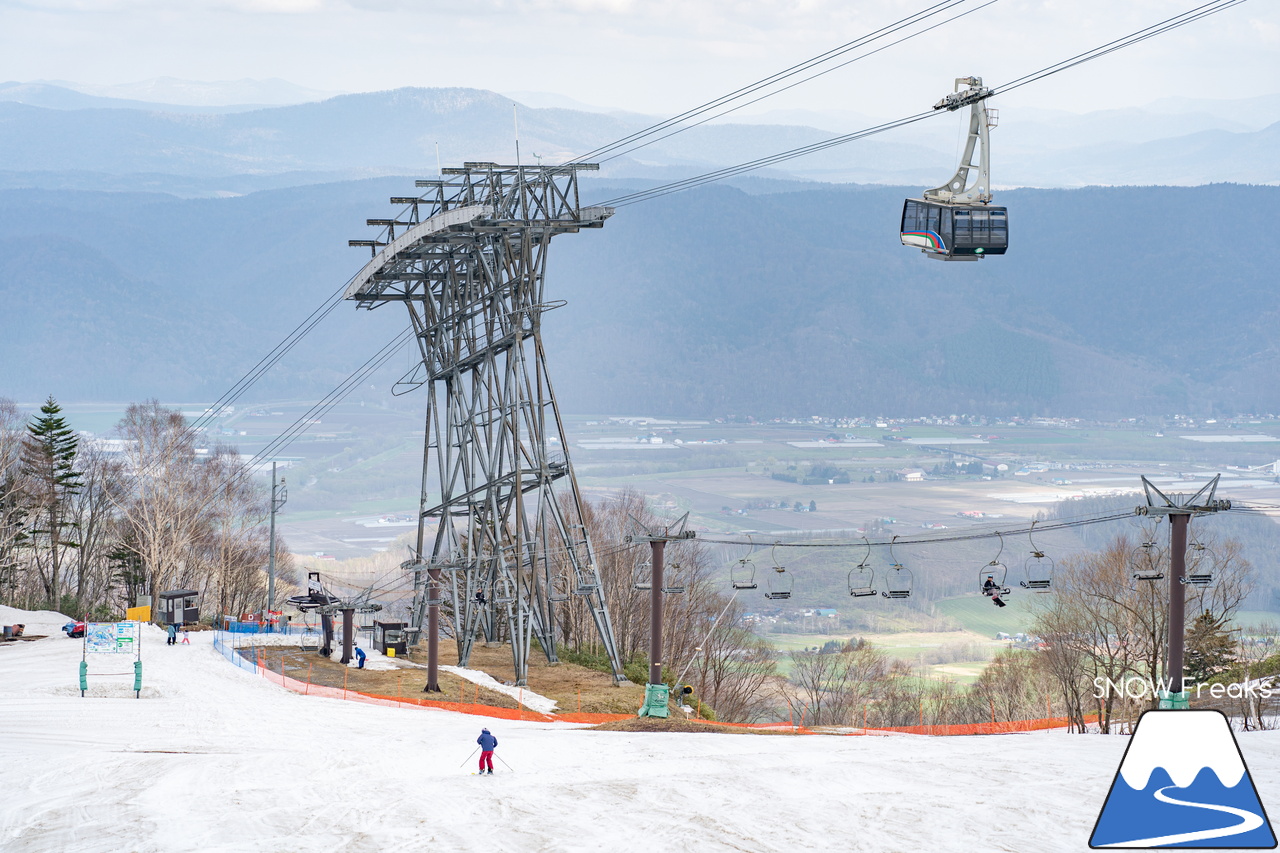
(568, 684)
(574, 688)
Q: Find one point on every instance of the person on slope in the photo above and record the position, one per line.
(488, 743)
(173, 635)
(360, 656)
(992, 589)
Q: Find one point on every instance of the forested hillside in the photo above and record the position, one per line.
(1111, 301)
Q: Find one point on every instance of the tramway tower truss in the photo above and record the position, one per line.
(499, 502)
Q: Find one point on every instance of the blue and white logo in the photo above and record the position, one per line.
(1183, 783)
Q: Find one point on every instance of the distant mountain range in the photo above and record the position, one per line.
(54, 136)
(771, 298)
(159, 249)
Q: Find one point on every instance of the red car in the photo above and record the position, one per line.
(74, 629)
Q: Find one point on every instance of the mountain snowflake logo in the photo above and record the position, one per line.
(1183, 783)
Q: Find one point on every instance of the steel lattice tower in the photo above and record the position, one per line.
(468, 259)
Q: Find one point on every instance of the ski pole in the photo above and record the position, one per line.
(508, 766)
(468, 758)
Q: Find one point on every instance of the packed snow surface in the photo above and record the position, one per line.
(526, 697)
(215, 758)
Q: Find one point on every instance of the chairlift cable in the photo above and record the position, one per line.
(934, 540)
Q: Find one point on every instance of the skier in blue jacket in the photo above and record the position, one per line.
(488, 743)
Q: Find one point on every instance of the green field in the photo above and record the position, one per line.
(1250, 618)
(906, 645)
(977, 614)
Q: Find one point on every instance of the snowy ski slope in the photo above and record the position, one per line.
(213, 758)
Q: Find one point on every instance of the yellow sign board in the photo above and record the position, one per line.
(138, 614)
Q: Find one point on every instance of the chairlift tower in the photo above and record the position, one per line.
(499, 498)
(1179, 509)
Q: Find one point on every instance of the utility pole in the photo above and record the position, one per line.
(1179, 509)
(656, 692)
(279, 494)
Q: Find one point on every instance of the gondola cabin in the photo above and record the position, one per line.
(955, 232)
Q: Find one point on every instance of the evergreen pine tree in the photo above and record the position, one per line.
(1210, 648)
(51, 481)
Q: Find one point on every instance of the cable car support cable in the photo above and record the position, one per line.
(1168, 24)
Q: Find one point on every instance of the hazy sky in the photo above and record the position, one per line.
(653, 56)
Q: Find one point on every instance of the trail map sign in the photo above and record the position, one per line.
(111, 638)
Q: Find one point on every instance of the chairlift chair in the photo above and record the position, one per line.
(558, 589)
(309, 641)
(996, 573)
(862, 578)
(586, 583)
(1147, 562)
(1038, 569)
(743, 576)
(780, 585)
(674, 587)
(898, 582)
(1039, 573)
(503, 593)
(1199, 566)
(642, 578)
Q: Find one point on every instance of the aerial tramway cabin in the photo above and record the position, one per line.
(957, 221)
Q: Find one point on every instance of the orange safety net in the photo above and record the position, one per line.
(997, 728)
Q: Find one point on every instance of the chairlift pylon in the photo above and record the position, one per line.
(862, 577)
(898, 581)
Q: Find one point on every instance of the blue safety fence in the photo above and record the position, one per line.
(224, 644)
(232, 626)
